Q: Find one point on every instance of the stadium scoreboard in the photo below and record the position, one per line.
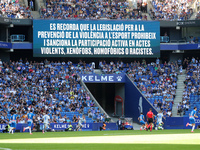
(96, 38)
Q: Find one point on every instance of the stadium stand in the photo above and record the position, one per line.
(191, 93)
(156, 81)
(171, 10)
(53, 87)
(12, 9)
(89, 9)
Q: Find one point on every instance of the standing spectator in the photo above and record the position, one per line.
(157, 61)
(179, 109)
(103, 127)
(179, 62)
(119, 124)
(31, 5)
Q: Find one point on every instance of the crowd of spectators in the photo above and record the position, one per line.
(102, 9)
(51, 87)
(193, 40)
(12, 9)
(191, 94)
(156, 81)
(198, 15)
(90, 9)
(171, 10)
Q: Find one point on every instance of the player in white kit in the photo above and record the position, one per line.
(80, 121)
(159, 121)
(45, 122)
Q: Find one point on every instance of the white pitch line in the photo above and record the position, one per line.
(1, 148)
(129, 139)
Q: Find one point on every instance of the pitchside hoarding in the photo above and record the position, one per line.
(63, 126)
(96, 38)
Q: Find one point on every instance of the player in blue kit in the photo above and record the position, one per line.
(192, 117)
(155, 121)
(13, 122)
(30, 121)
(141, 120)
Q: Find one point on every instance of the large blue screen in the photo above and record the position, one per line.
(96, 38)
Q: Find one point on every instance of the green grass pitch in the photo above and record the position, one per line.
(75, 146)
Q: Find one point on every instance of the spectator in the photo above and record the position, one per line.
(14, 10)
(171, 10)
(90, 10)
(119, 124)
(179, 109)
(51, 87)
(75, 119)
(154, 79)
(103, 127)
(31, 5)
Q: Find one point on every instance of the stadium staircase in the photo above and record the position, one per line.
(149, 6)
(194, 6)
(35, 14)
(98, 71)
(148, 17)
(23, 2)
(133, 5)
(193, 17)
(38, 5)
(179, 93)
(95, 101)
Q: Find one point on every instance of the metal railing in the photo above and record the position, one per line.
(17, 38)
(178, 41)
(164, 39)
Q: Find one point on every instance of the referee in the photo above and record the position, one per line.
(150, 119)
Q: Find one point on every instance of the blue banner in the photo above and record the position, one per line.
(179, 123)
(63, 126)
(179, 46)
(5, 45)
(104, 78)
(22, 46)
(96, 38)
(2, 127)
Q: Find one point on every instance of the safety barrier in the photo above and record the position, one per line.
(179, 123)
(17, 38)
(63, 126)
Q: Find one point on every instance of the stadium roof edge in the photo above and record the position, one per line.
(163, 23)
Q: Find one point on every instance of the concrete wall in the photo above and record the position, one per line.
(4, 56)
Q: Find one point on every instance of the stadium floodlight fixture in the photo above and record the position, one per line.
(11, 25)
(178, 51)
(178, 28)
